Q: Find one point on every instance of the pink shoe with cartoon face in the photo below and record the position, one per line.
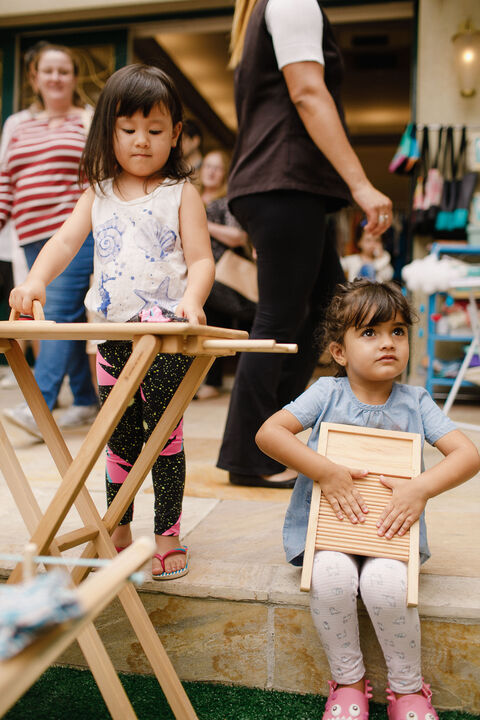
(347, 703)
(411, 707)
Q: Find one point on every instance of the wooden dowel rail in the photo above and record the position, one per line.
(243, 345)
(76, 537)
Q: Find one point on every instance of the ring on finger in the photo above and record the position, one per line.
(383, 217)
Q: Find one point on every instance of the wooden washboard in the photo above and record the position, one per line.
(382, 452)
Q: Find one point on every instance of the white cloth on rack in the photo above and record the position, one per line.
(432, 274)
(30, 608)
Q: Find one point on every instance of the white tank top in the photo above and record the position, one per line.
(138, 260)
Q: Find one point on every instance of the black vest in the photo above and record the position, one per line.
(273, 150)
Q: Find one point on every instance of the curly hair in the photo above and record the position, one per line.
(360, 303)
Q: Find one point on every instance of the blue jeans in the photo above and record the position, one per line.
(57, 358)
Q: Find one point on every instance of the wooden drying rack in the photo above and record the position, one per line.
(148, 339)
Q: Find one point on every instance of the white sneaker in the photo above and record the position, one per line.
(77, 415)
(8, 380)
(21, 416)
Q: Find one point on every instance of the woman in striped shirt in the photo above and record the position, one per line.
(38, 189)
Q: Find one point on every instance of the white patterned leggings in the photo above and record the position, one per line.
(336, 580)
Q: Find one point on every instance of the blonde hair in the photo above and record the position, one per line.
(241, 16)
(47, 47)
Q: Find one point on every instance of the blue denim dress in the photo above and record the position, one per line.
(330, 399)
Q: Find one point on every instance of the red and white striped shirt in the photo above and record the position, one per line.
(39, 179)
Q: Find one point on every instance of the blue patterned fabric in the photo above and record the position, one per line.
(29, 609)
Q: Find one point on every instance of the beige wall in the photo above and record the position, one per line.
(438, 96)
(439, 101)
(29, 12)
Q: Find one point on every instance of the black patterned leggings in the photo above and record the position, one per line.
(135, 427)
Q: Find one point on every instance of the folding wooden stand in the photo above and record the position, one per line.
(382, 452)
(18, 673)
(202, 342)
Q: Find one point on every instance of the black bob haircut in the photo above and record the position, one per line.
(131, 89)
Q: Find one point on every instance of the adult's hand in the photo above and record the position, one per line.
(376, 206)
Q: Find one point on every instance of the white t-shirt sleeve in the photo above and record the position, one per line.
(296, 27)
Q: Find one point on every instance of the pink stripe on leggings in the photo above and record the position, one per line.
(175, 442)
(115, 473)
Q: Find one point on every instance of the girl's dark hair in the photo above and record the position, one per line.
(130, 89)
(360, 303)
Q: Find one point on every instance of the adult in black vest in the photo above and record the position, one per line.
(292, 164)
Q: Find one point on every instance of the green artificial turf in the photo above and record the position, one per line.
(67, 693)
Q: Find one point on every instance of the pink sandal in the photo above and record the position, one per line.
(164, 575)
(121, 548)
(347, 703)
(411, 707)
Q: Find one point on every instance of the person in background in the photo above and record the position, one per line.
(39, 187)
(225, 306)
(192, 139)
(371, 260)
(366, 333)
(13, 266)
(291, 165)
(146, 217)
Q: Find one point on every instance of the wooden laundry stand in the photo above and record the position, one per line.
(383, 452)
(18, 673)
(204, 344)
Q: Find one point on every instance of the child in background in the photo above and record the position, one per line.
(152, 261)
(366, 333)
(371, 260)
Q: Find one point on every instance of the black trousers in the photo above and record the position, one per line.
(297, 274)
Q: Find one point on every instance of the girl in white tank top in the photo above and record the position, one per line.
(152, 259)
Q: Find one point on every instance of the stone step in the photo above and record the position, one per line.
(239, 617)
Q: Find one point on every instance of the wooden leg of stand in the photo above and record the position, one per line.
(157, 440)
(155, 652)
(89, 640)
(21, 671)
(413, 566)
(78, 471)
(103, 546)
(306, 579)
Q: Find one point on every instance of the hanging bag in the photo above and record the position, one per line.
(447, 203)
(238, 273)
(407, 154)
(433, 190)
(418, 203)
(457, 193)
(464, 190)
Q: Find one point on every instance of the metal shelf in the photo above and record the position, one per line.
(432, 380)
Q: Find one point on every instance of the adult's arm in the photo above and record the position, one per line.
(227, 234)
(318, 112)
(56, 254)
